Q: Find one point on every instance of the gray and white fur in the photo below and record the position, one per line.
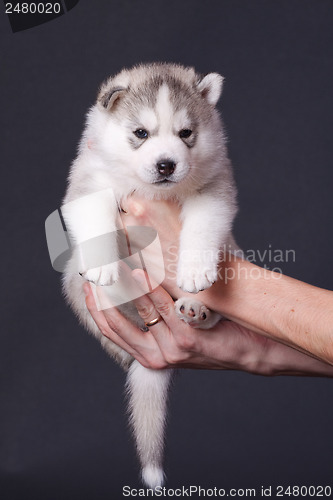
(182, 157)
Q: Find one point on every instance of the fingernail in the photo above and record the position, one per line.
(135, 208)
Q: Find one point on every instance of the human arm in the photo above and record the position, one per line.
(269, 303)
(172, 343)
(267, 311)
(275, 305)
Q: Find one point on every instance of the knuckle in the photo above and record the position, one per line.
(157, 364)
(113, 328)
(104, 331)
(172, 358)
(164, 308)
(145, 311)
(185, 342)
(143, 362)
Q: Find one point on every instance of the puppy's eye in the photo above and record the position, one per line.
(185, 133)
(141, 133)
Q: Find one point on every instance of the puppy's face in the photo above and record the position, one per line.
(159, 130)
(160, 139)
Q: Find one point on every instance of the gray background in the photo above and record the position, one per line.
(62, 424)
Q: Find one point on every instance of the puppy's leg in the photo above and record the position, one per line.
(195, 313)
(207, 224)
(92, 222)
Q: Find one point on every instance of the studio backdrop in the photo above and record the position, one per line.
(63, 432)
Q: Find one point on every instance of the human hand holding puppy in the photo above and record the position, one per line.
(255, 341)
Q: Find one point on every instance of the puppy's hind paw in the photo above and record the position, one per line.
(195, 313)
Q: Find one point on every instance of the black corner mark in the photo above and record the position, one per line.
(24, 15)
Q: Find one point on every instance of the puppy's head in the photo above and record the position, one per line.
(161, 125)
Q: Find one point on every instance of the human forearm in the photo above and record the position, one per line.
(271, 304)
(275, 305)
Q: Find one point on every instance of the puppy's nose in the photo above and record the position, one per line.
(166, 167)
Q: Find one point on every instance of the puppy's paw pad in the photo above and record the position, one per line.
(104, 275)
(192, 312)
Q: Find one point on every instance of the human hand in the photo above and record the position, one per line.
(250, 342)
(171, 343)
(164, 217)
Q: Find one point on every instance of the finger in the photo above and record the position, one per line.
(103, 325)
(146, 309)
(161, 300)
(160, 330)
(137, 207)
(134, 212)
(148, 212)
(143, 345)
(143, 342)
(149, 314)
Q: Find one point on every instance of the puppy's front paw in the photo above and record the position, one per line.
(195, 275)
(104, 275)
(195, 313)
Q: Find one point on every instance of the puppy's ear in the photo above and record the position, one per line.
(108, 98)
(210, 87)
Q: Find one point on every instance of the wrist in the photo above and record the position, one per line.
(239, 292)
(281, 359)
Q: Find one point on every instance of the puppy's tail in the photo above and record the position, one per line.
(148, 391)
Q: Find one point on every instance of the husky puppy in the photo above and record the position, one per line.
(154, 130)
